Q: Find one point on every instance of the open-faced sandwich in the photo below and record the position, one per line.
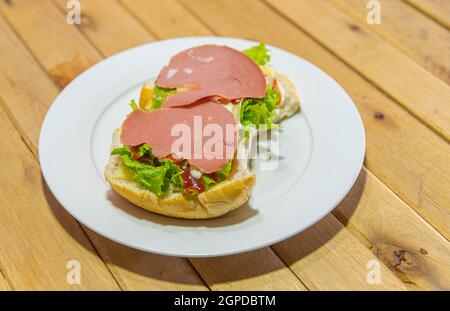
(178, 152)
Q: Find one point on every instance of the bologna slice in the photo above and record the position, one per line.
(211, 70)
(203, 133)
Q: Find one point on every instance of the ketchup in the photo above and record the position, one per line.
(134, 152)
(141, 158)
(192, 184)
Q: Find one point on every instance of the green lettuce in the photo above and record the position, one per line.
(133, 104)
(208, 182)
(223, 173)
(156, 178)
(259, 53)
(160, 95)
(257, 111)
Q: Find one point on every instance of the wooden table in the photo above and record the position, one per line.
(395, 219)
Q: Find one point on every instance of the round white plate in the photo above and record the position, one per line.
(322, 150)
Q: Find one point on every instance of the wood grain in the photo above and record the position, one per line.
(178, 23)
(4, 286)
(425, 41)
(37, 236)
(328, 257)
(11, 84)
(257, 270)
(26, 100)
(416, 253)
(411, 85)
(138, 270)
(438, 10)
(34, 21)
(396, 141)
(108, 27)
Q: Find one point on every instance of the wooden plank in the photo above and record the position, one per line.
(211, 272)
(175, 22)
(37, 236)
(328, 257)
(138, 270)
(257, 270)
(396, 141)
(109, 28)
(4, 286)
(20, 95)
(62, 57)
(16, 68)
(396, 234)
(26, 91)
(425, 41)
(411, 85)
(438, 10)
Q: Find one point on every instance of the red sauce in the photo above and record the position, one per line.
(134, 152)
(175, 160)
(192, 184)
(141, 158)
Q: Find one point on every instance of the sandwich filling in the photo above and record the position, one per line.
(226, 88)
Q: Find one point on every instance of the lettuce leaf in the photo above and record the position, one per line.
(173, 172)
(258, 53)
(133, 104)
(224, 171)
(154, 178)
(208, 182)
(144, 149)
(257, 111)
(160, 95)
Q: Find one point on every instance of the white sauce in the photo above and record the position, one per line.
(229, 107)
(196, 173)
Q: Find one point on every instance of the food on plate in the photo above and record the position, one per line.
(179, 152)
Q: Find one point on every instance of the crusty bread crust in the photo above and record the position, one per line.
(220, 199)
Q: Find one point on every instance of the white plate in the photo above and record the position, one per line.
(322, 150)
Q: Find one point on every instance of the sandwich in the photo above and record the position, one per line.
(183, 150)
